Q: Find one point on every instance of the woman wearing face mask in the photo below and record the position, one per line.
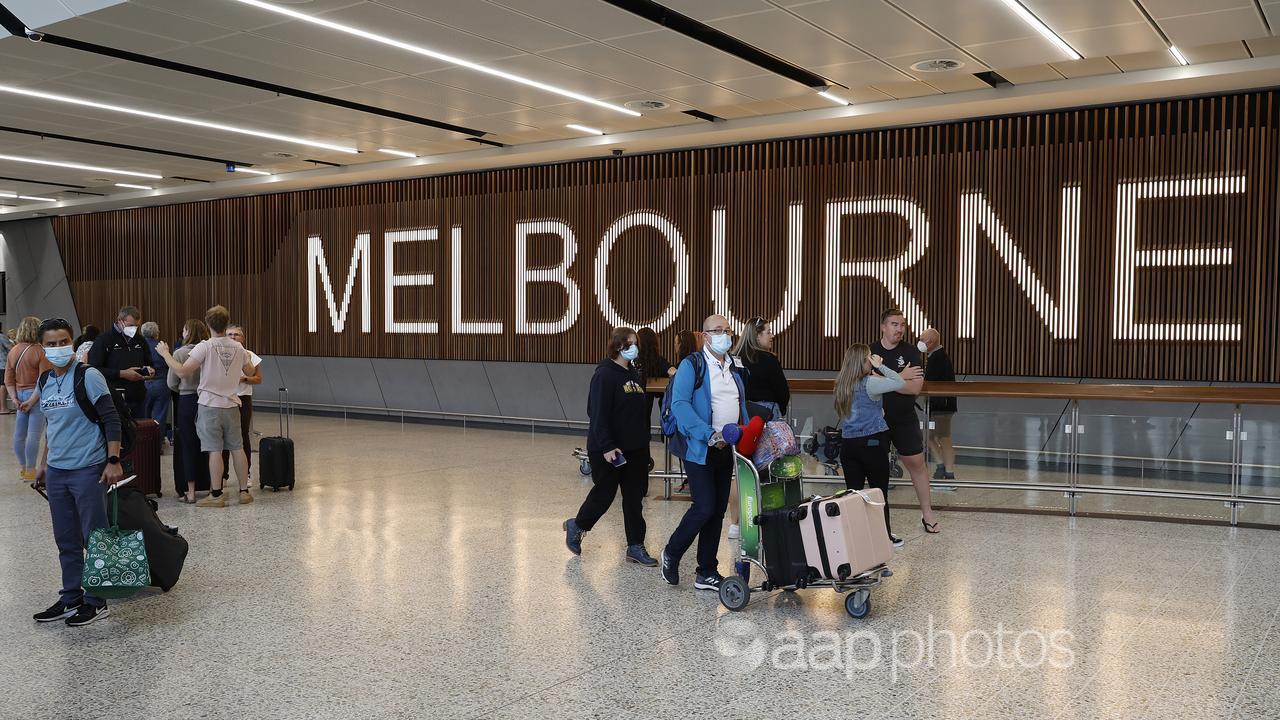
(617, 447)
(190, 465)
(864, 446)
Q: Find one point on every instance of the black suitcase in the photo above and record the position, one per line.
(144, 458)
(275, 454)
(166, 549)
(784, 556)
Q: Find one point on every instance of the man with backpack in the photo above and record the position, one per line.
(706, 394)
(81, 456)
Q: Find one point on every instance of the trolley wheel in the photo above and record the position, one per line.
(734, 593)
(584, 467)
(651, 464)
(895, 471)
(858, 603)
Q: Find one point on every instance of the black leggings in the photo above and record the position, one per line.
(866, 462)
(633, 478)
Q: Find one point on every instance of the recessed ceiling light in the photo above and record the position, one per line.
(1030, 19)
(585, 129)
(78, 166)
(134, 187)
(33, 197)
(175, 118)
(401, 153)
(833, 97)
(251, 171)
(646, 105)
(937, 65)
(374, 37)
(1177, 55)
(7, 194)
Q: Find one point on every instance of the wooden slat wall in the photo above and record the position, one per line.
(250, 253)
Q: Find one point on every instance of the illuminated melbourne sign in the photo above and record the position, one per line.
(980, 229)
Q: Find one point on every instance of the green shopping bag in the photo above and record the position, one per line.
(116, 564)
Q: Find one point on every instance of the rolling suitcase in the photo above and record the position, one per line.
(144, 457)
(844, 535)
(784, 555)
(166, 549)
(275, 454)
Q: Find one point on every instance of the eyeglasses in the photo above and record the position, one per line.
(757, 323)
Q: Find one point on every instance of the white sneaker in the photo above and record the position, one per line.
(734, 532)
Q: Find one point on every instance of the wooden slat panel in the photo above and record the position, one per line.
(251, 253)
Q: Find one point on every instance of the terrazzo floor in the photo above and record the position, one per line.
(419, 571)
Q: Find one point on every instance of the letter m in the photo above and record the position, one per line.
(316, 265)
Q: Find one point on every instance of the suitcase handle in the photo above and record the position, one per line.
(285, 410)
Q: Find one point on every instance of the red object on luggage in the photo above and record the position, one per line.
(751, 436)
(144, 458)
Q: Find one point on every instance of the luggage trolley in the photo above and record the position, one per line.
(736, 589)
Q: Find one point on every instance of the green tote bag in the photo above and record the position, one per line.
(116, 564)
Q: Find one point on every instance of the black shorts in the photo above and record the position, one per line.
(905, 433)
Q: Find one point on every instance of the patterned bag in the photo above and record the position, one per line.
(116, 565)
(776, 441)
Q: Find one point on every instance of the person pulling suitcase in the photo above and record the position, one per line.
(864, 434)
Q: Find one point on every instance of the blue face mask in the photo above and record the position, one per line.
(60, 356)
(720, 344)
(630, 353)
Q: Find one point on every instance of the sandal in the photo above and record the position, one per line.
(931, 528)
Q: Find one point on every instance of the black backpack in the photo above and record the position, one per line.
(128, 432)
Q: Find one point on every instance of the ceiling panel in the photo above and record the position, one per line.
(1161, 9)
(424, 89)
(866, 72)
(591, 18)
(235, 15)
(90, 31)
(157, 22)
(264, 50)
(494, 22)
(906, 89)
(351, 48)
(205, 56)
(1215, 27)
(1234, 50)
(1030, 74)
(790, 38)
(764, 87)
(686, 55)
(1015, 53)
(872, 25)
(708, 10)
(621, 66)
(1265, 46)
(1086, 67)
(401, 103)
(1144, 61)
(1272, 11)
(52, 56)
(1114, 40)
(955, 82)
(534, 67)
(968, 22)
(705, 94)
(1083, 14)
(905, 62)
(164, 80)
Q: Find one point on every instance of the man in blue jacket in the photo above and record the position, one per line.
(706, 394)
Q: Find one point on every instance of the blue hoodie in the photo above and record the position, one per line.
(692, 408)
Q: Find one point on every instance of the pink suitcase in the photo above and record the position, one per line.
(845, 535)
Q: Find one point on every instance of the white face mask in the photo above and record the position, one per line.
(129, 330)
(922, 347)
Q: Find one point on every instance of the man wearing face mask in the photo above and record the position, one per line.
(707, 393)
(123, 357)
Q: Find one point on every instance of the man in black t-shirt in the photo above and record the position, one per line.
(900, 407)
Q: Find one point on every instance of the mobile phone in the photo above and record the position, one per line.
(619, 460)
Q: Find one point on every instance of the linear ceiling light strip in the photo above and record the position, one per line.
(176, 119)
(79, 166)
(121, 146)
(435, 54)
(16, 28)
(722, 41)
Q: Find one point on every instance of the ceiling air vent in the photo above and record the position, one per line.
(937, 65)
(280, 155)
(646, 105)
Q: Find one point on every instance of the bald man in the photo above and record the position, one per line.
(707, 393)
(941, 409)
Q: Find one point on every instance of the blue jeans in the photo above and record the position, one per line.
(78, 504)
(158, 405)
(709, 485)
(26, 434)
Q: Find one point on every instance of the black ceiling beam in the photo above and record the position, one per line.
(708, 35)
(18, 29)
(122, 146)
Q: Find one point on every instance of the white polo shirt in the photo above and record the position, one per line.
(726, 408)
